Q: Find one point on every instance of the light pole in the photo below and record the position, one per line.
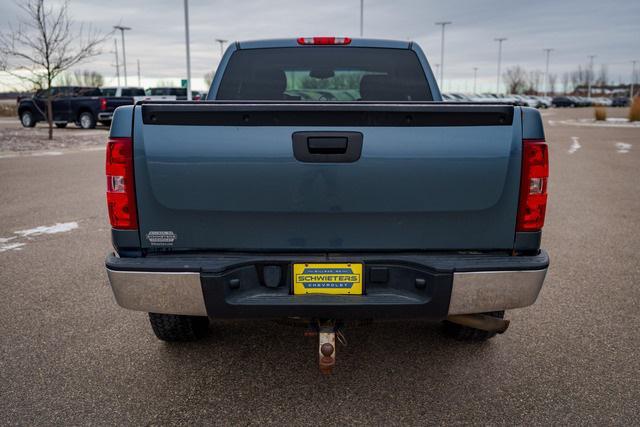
(222, 42)
(475, 78)
(499, 40)
(138, 73)
(633, 78)
(361, 18)
(589, 75)
(115, 43)
(443, 24)
(124, 55)
(186, 32)
(546, 73)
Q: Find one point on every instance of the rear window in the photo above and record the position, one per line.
(108, 91)
(324, 74)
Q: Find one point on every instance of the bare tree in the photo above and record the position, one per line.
(208, 78)
(566, 81)
(603, 76)
(81, 78)
(533, 82)
(552, 79)
(44, 44)
(166, 83)
(516, 79)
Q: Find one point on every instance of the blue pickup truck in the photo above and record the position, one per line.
(324, 179)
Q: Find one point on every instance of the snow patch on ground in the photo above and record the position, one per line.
(609, 123)
(11, 246)
(623, 147)
(60, 227)
(47, 153)
(575, 145)
(8, 243)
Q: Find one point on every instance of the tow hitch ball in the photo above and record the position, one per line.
(327, 332)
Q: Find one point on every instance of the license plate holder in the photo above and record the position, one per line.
(328, 278)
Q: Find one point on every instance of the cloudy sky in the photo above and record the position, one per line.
(575, 29)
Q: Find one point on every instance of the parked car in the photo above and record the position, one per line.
(620, 101)
(180, 93)
(326, 211)
(123, 91)
(604, 102)
(543, 101)
(564, 101)
(83, 106)
(526, 101)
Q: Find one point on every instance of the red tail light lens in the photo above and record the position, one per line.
(103, 104)
(121, 196)
(533, 185)
(324, 40)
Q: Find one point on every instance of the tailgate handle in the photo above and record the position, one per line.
(327, 147)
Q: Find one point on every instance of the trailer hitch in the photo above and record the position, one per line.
(328, 333)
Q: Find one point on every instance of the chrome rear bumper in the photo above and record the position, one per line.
(182, 292)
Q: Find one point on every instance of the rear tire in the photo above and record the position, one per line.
(176, 327)
(466, 333)
(86, 120)
(27, 119)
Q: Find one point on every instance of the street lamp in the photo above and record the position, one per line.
(124, 55)
(186, 32)
(443, 24)
(115, 43)
(499, 40)
(475, 78)
(222, 42)
(546, 73)
(590, 74)
(361, 18)
(633, 78)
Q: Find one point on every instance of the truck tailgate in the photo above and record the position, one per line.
(430, 176)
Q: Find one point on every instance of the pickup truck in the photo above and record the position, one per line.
(265, 201)
(83, 106)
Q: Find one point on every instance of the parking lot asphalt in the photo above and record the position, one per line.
(69, 355)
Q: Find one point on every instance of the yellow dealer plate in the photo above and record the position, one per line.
(333, 279)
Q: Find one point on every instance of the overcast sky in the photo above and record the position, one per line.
(609, 29)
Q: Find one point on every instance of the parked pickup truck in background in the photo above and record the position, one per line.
(83, 106)
(265, 201)
(137, 93)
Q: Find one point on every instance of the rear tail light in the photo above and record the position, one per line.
(103, 104)
(533, 185)
(121, 196)
(324, 40)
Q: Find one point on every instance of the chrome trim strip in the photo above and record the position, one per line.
(483, 291)
(170, 293)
